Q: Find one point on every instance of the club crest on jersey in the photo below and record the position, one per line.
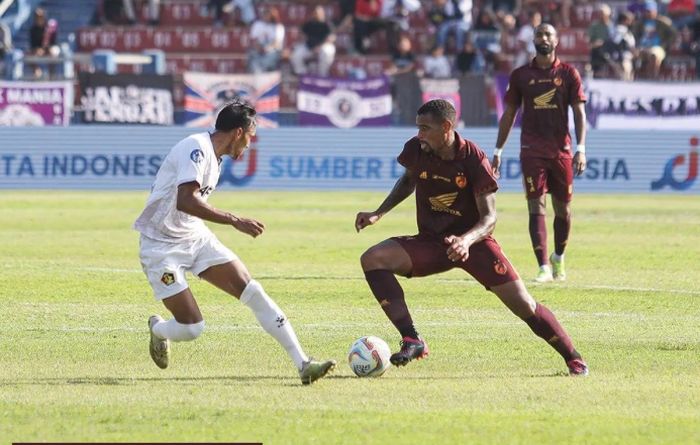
(423, 175)
(499, 267)
(168, 278)
(557, 81)
(197, 155)
(461, 181)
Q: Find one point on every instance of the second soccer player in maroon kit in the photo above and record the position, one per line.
(456, 214)
(546, 88)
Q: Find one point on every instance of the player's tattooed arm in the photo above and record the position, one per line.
(403, 188)
(458, 246)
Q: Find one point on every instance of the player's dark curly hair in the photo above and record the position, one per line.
(236, 114)
(439, 109)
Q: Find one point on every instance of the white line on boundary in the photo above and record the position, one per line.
(444, 280)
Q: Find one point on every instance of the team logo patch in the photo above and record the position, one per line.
(461, 181)
(531, 82)
(423, 175)
(197, 155)
(557, 81)
(499, 267)
(168, 278)
(531, 183)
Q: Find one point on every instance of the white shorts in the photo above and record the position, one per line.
(165, 264)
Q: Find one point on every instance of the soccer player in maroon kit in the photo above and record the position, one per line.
(546, 88)
(456, 213)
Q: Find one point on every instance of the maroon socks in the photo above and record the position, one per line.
(538, 235)
(545, 325)
(389, 294)
(562, 226)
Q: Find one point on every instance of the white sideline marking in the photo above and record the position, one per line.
(109, 270)
(344, 327)
(633, 289)
(442, 280)
(590, 286)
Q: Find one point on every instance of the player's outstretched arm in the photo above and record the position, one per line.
(458, 246)
(402, 189)
(188, 201)
(504, 127)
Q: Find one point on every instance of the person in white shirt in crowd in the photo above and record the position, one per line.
(174, 240)
(266, 42)
(436, 65)
(132, 16)
(319, 45)
(246, 10)
(525, 51)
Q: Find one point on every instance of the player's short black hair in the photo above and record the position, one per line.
(439, 109)
(236, 114)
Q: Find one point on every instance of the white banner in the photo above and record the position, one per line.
(118, 157)
(614, 104)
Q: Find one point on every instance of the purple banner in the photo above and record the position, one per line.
(344, 103)
(35, 103)
(502, 81)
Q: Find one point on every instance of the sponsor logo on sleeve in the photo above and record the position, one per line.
(197, 155)
(499, 267)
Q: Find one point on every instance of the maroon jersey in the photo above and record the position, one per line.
(446, 190)
(545, 95)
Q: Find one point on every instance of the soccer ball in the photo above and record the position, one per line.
(369, 357)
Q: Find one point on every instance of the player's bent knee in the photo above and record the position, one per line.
(252, 289)
(373, 258)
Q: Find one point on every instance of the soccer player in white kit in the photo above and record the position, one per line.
(174, 240)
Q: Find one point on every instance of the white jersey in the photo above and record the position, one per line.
(192, 159)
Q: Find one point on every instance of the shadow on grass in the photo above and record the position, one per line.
(284, 380)
(116, 381)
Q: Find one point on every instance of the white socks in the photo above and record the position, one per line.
(273, 321)
(172, 330)
(556, 257)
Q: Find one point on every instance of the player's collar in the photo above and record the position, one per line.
(556, 63)
(461, 151)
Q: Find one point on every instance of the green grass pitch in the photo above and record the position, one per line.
(74, 362)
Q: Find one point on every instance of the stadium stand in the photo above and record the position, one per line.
(191, 41)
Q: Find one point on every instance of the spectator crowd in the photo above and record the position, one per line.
(627, 39)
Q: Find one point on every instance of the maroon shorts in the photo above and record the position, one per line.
(486, 262)
(541, 175)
